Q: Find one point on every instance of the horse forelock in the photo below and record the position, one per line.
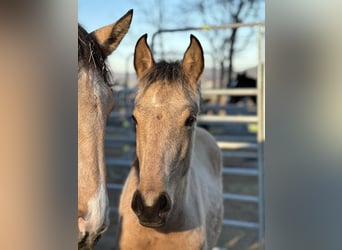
(172, 74)
(91, 56)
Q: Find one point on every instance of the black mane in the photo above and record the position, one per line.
(90, 55)
(166, 71)
(170, 73)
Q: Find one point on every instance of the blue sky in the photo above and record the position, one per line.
(97, 13)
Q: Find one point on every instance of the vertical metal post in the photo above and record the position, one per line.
(152, 42)
(261, 140)
(126, 81)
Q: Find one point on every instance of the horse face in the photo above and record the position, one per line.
(165, 112)
(94, 106)
(95, 102)
(165, 123)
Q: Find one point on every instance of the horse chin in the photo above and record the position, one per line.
(158, 224)
(86, 241)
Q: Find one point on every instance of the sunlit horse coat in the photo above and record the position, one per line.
(95, 101)
(172, 198)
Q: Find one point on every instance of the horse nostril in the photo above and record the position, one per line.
(160, 208)
(164, 203)
(137, 203)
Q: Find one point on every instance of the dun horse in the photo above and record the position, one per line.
(95, 102)
(172, 198)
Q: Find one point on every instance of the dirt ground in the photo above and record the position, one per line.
(232, 237)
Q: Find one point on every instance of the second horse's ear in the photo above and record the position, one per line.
(110, 36)
(193, 61)
(143, 59)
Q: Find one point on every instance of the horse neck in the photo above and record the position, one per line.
(185, 214)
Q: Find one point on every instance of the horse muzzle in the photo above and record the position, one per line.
(88, 237)
(151, 216)
(87, 241)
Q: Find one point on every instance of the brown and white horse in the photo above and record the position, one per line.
(172, 198)
(95, 102)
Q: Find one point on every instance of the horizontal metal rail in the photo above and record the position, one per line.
(230, 91)
(213, 27)
(236, 145)
(204, 27)
(240, 171)
(240, 197)
(224, 119)
(236, 138)
(119, 115)
(113, 140)
(113, 162)
(238, 154)
(239, 223)
(114, 186)
(230, 109)
(120, 131)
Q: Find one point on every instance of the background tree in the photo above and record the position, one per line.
(223, 43)
(157, 17)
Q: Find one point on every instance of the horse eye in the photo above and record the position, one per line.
(190, 121)
(133, 118)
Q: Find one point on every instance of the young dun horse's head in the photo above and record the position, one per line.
(165, 112)
(95, 102)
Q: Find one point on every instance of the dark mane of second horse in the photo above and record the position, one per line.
(90, 55)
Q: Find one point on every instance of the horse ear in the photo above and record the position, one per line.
(143, 59)
(110, 36)
(193, 61)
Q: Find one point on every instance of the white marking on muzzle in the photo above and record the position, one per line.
(150, 198)
(98, 215)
